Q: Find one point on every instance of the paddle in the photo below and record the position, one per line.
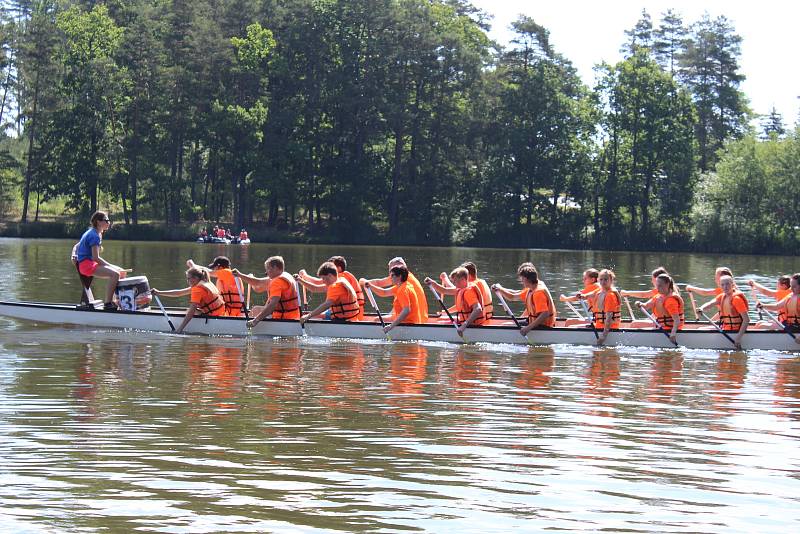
(630, 309)
(514, 317)
(755, 299)
(374, 304)
(248, 294)
(694, 306)
(718, 327)
(441, 303)
(775, 319)
(656, 323)
(305, 299)
(574, 310)
(590, 318)
(158, 301)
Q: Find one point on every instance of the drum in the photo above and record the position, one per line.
(133, 293)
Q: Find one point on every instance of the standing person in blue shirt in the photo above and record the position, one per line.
(87, 256)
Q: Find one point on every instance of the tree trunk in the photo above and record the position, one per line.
(394, 200)
(31, 137)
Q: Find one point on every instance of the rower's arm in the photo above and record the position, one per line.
(400, 318)
(172, 292)
(742, 329)
(676, 323)
(446, 282)
(315, 288)
(186, 318)
(510, 294)
(381, 282)
(266, 311)
(701, 291)
(707, 305)
(762, 289)
(255, 282)
(439, 288)
(319, 309)
(380, 291)
(636, 294)
(649, 305)
(536, 323)
(308, 278)
(476, 312)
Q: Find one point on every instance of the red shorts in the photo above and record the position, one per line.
(88, 267)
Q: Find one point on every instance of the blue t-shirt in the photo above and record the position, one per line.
(90, 238)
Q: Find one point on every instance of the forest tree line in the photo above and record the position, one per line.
(389, 120)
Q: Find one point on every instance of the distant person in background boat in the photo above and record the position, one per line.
(283, 301)
(788, 307)
(412, 280)
(667, 306)
(341, 265)
(221, 233)
(540, 309)
(718, 274)
(243, 235)
(469, 308)
(733, 307)
(205, 299)
(405, 309)
(340, 297)
(231, 293)
(608, 305)
(86, 255)
(203, 233)
(486, 292)
(588, 293)
(228, 234)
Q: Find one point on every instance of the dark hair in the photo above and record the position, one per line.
(460, 272)
(529, 272)
(276, 261)
(327, 268)
(220, 261)
(658, 271)
(664, 277)
(724, 271)
(784, 280)
(796, 277)
(402, 272)
(339, 262)
(200, 274)
(592, 273)
(471, 268)
(98, 216)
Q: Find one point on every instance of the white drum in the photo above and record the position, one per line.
(133, 293)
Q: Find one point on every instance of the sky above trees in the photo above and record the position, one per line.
(588, 32)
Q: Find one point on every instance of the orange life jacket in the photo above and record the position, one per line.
(599, 315)
(590, 294)
(530, 307)
(660, 311)
(345, 311)
(792, 312)
(226, 283)
(351, 279)
(486, 293)
(289, 300)
(781, 294)
(242, 236)
(729, 318)
(211, 304)
(462, 311)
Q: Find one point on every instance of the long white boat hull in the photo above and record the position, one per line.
(499, 331)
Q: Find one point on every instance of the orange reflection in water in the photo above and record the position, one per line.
(728, 383)
(342, 376)
(603, 372)
(471, 373)
(407, 372)
(787, 387)
(215, 376)
(532, 384)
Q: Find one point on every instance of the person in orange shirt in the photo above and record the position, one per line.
(231, 292)
(469, 300)
(341, 266)
(733, 307)
(539, 306)
(589, 292)
(788, 307)
(412, 281)
(781, 291)
(283, 300)
(405, 308)
(486, 293)
(718, 274)
(667, 306)
(608, 305)
(340, 298)
(205, 299)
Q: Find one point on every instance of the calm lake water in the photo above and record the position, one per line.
(110, 431)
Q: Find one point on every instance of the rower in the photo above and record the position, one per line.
(283, 301)
(220, 269)
(86, 256)
(486, 292)
(718, 274)
(412, 280)
(539, 306)
(733, 306)
(341, 267)
(340, 297)
(647, 293)
(588, 293)
(243, 235)
(469, 299)
(788, 307)
(608, 305)
(781, 291)
(205, 298)
(667, 306)
(405, 308)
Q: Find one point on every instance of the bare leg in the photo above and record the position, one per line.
(112, 276)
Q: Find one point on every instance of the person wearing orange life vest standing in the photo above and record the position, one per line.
(733, 307)
(788, 307)
(205, 299)
(340, 298)
(86, 255)
(588, 293)
(667, 306)
(486, 292)
(341, 266)
(540, 309)
(220, 269)
(405, 308)
(412, 281)
(283, 301)
(469, 300)
(608, 305)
